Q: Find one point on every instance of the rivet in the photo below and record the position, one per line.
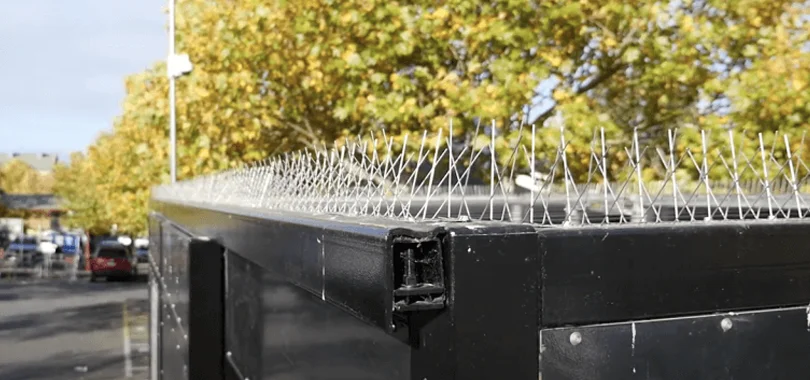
(178, 346)
(575, 338)
(726, 324)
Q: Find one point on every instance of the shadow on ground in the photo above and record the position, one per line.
(25, 289)
(63, 366)
(80, 319)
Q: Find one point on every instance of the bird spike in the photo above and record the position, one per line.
(675, 179)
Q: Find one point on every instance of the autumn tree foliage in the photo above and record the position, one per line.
(273, 75)
(17, 177)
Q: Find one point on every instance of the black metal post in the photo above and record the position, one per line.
(206, 336)
(491, 326)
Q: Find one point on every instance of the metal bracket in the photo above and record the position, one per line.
(418, 275)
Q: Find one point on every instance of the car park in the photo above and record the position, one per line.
(25, 250)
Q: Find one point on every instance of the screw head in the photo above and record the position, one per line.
(726, 324)
(575, 338)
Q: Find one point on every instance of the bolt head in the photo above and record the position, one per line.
(575, 338)
(726, 324)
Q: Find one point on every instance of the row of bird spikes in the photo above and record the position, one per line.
(435, 177)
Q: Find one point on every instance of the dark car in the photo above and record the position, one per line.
(142, 253)
(112, 260)
(142, 256)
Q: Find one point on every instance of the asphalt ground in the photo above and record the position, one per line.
(59, 330)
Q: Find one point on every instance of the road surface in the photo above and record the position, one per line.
(60, 330)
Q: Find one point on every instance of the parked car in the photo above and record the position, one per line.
(26, 251)
(142, 258)
(111, 259)
(9, 260)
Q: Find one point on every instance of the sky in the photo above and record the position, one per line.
(63, 65)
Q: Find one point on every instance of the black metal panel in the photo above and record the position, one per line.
(490, 328)
(769, 344)
(206, 325)
(347, 262)
(155, 235)
(244, 316)
(156, 240)
(305, 337)
(277, 330)
(175, 274)
(173, 283)
(174, 351)
(606, 274)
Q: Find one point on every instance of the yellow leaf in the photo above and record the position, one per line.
(687, 25)
(560, 95)
(798, 84)
(554, 59)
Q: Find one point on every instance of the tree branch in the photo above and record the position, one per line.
(613, 68)
(309, 140)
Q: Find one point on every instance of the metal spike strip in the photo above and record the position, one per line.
(435, 177)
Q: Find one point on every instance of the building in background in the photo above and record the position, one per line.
(41, 162)
(43, 210)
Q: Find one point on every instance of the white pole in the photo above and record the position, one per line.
(172, 110)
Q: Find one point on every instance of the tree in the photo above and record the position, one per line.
(313, 73)
(273, 76)
(17, 177)
(77, 184)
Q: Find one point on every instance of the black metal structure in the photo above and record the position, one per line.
(247, 294)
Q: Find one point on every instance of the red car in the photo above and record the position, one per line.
(113, 260)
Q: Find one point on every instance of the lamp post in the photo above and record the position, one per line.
(176, 66)
(172, 109)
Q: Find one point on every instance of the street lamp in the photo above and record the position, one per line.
(176, 66)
